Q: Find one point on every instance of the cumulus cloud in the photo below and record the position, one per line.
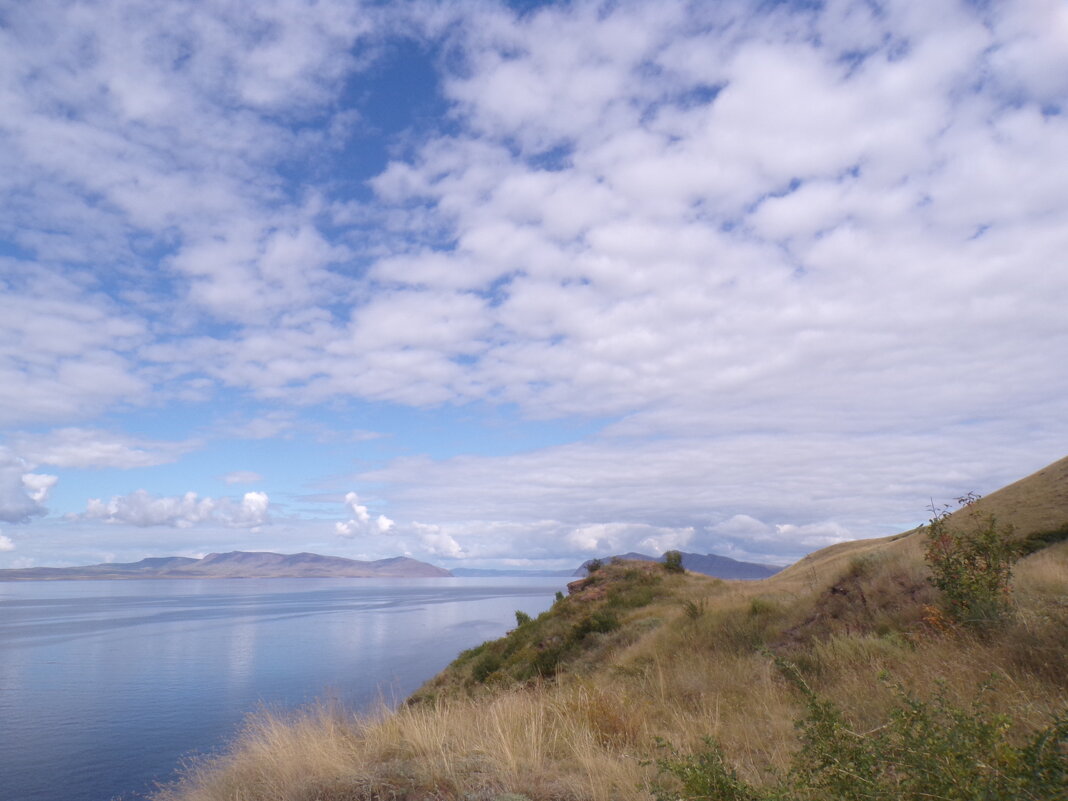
(611, 538)
(361, 523)
(22, 493)
(38, 486)
(6, 544)
(438, 542)
(83, 447)
(143, 509)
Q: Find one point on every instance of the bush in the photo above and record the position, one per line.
(593, 566)
(971, 565)
(600, 622)
(521, 617)
(673, 562)
(702, 775)
(930, 749)
(695, 609)
(485, 666)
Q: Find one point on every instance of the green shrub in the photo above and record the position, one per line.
(521, 617)
(593, 566)
(673, 562)
(546, 660)
(763, 607)
(486, 665)
(971, 565)
(928, 749)
(600, 622)
(704, 774)
(695, 609)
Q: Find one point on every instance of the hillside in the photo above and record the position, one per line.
(707, 564)
(844, 677)
(236, 564)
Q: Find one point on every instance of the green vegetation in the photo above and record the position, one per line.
(673, 561)
(926, 750)
(971, 565)
(861, 673)
(563, 635)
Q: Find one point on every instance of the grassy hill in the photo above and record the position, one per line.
(842, 677)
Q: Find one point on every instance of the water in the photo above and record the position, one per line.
(106, 685)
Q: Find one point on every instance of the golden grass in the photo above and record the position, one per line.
(1035, 504)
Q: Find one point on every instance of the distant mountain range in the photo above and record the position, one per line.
(236, 564)
(262, 564)
(710, 564)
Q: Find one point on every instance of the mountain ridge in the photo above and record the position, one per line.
(236, 564)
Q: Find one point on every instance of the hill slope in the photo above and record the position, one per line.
(707, 564)
(838, 679)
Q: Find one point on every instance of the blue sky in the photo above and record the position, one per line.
(490, 284)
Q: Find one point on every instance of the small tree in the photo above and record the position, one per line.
(521, 617)
(673, 562)
(971, 563)
(593, 566)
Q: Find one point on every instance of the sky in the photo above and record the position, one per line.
(516, 284)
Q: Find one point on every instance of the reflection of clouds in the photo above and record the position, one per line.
(215, 649)
(241, 650)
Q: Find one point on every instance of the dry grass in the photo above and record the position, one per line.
(694, 661)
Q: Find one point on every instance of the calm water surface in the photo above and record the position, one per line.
(106, 685)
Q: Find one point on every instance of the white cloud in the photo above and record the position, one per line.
(22, 493)
(614, 538)
(81, 447)
(6, 544)
(361, 522)
(142, 509)
(242, 477)
(437, 542)
(38, 486)
(64, 353)
(253, 511)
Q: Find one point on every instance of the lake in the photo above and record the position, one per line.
(106, 685)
